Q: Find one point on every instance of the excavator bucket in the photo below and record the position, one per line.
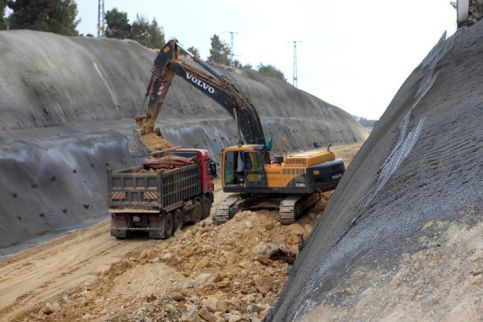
(136, 146)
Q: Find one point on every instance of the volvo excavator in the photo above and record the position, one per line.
(291, 183)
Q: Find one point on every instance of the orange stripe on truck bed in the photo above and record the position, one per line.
(148, 195)
(118, 195)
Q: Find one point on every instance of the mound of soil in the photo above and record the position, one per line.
(155, 142)
(230, 272)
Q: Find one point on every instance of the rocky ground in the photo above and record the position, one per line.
(215, 273)
(232, 272)
(424, 285)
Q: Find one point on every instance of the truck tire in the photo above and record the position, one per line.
(178, 219)
(196, 211)
(205, 208)
(119, 234)
(168, 225)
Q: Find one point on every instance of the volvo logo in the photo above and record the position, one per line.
(200, 83)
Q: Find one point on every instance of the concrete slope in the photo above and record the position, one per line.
(402, 238)
(67, 107)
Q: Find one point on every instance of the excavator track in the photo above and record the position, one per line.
(224, 212)
(287, 212)
(293, 206)
(290, 208)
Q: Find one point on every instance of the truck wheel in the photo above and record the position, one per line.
(168, 225)
(119, 234)
(196, 211)
(206, 207)
(178, 219)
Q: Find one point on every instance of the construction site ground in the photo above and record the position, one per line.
(232, 272)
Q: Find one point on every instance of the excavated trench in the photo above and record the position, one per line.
(67, 106)
(401, 238)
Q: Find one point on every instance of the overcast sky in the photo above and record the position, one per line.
(353, 54)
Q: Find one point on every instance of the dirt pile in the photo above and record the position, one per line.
(155, 142)
(401, 237)
(231, 272)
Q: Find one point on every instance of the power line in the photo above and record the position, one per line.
(232, 44)
(294, 66)
(101, 19)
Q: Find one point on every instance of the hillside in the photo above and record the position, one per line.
(401, 239)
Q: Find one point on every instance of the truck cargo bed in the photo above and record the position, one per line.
(160, 190)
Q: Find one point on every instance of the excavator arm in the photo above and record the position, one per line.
(218, 87)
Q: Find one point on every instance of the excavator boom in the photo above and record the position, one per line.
(218, 87)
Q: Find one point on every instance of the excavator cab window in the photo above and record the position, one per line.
(254, 170)
(234, 168)
(231, 159)
(244, 167)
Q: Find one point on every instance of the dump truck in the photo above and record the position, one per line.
(162, 194)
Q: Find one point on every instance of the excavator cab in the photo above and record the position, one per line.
(244, 166)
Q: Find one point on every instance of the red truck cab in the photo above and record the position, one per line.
(207, 166)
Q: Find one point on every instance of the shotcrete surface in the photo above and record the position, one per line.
(401, 238)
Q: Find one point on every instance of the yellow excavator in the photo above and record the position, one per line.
(291, 183)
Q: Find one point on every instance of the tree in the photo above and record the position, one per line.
(248, 68)
(117, 24)
(271, 71)
(58, 16)
(219, 52)
(237, 64)
(156, 35)
(194, 51)
(140, 31)
(3, 24)
(147, 34)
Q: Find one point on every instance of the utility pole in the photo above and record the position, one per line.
(294, 66)
(101, 19)
(232, 44)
